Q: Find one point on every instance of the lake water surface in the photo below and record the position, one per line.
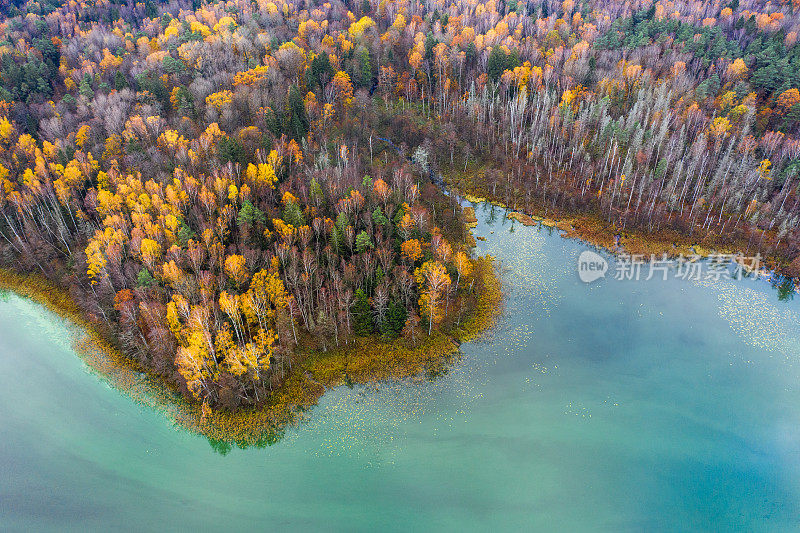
(616, 406)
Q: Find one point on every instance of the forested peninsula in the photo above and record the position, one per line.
(246, 198)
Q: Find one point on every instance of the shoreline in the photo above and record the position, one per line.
(364, 360)
(596, 231)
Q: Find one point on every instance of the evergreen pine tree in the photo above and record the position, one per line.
(396, 315)
(297, 123)
(362, 315)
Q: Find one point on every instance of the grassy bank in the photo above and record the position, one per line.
(363, 360)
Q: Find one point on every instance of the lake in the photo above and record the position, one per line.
(612, 406)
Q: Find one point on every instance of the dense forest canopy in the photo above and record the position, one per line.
(220, 181)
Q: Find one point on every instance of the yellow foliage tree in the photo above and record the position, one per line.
(358, 28)
(411, 250)
(219, 99)
(236, 269)
(151, 251)
(433, 280)
(720, 127)
(463, 266)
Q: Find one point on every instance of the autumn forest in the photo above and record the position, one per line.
(223, 185)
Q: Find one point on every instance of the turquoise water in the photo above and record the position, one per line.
(616, 406)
